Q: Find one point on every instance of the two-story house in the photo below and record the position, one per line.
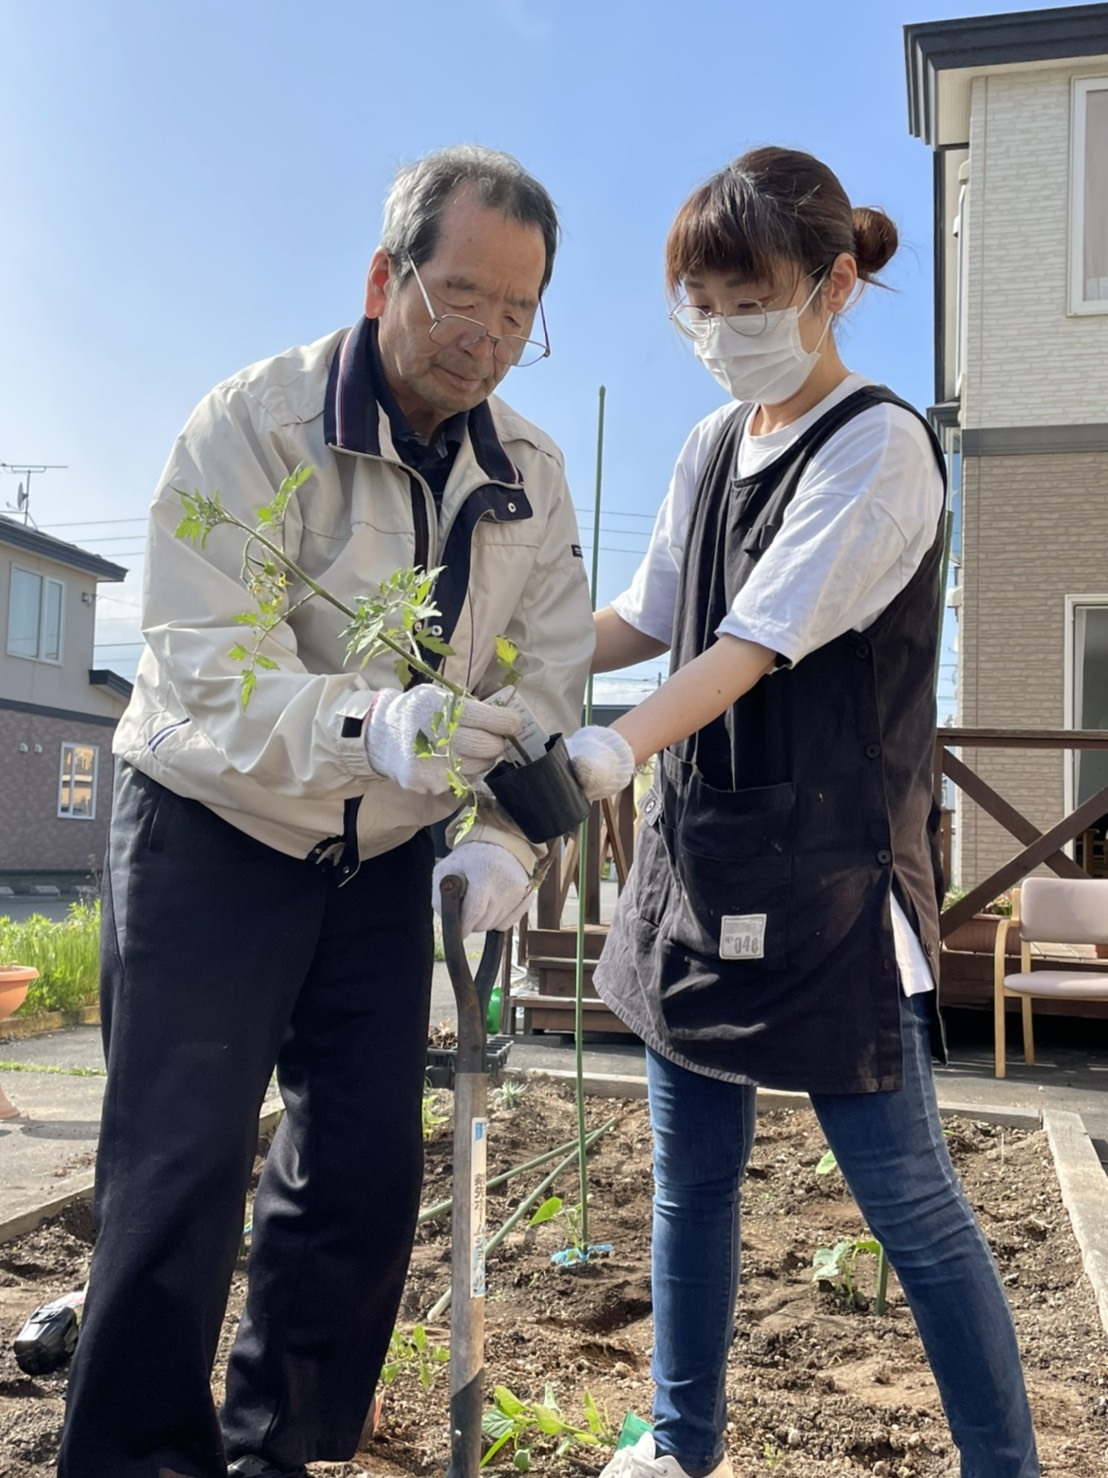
(1015, 110)
(57, 712)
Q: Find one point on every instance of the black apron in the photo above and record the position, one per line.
(754, 939)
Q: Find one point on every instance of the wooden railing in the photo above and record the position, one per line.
(611, 827)
(611, 833)
(1038, 848)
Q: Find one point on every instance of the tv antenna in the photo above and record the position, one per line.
(22, 502)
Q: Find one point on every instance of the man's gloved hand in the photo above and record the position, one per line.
(602, 761)
(397, 717)
(498, 889)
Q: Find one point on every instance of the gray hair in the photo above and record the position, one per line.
(420, 191)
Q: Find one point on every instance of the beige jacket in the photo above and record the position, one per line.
(291, 769)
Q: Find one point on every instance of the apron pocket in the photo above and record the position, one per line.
(731, 911)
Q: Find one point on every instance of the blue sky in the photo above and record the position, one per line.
(188, 187)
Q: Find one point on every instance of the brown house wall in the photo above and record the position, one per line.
(33, 836)
(1035, 529)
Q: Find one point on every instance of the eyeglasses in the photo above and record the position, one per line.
(748, 318)
(454, 329)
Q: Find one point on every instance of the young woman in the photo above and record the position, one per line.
(781, 923)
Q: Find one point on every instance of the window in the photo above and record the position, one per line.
(1089, 197)
(77, 787)
(36, 608)
(961, 317)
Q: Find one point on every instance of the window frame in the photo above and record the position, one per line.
(72, 745)
(1079, 304)
(45, 584)
(1073, 603)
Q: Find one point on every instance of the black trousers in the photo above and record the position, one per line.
(220, 959)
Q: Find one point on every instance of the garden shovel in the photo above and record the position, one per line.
(467, 1265)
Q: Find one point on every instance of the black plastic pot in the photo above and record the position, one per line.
(442, 1061)
(543, 797)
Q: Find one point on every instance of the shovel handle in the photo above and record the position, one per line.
(471, 995)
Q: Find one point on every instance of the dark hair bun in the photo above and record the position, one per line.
(875, 240)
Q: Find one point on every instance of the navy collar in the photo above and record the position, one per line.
(359, 401)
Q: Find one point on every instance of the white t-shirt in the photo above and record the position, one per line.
(863, 516)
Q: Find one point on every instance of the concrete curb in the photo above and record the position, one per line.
(18, 1028)
(633, 1085)
(81, 1190)
(27, 1221)
(1085, 1196)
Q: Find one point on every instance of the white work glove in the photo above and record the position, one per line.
(498, 889)
(602, 761)
(396, 718)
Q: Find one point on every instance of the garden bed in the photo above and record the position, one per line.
(814, 1388)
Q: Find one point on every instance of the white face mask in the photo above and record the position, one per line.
(769, 367)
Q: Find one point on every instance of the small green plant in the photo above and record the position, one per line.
(413, 1352)
(509, 1093)
(571, 1223)
(397, 619)
(835, 1267)
(429, 1119)
(773, 1456)
(65, 952)
(568, 1221)
(827, 1164)
(522, 1423)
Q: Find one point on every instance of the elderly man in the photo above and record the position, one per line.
(269, 878)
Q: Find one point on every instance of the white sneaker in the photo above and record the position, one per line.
(641, 1461)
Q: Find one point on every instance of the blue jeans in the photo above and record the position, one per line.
(891, 1150)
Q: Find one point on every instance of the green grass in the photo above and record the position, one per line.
(9, 1066)
(66, 954)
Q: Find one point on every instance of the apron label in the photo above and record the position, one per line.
(742, 936)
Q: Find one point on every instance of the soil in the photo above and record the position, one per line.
(815, 1387)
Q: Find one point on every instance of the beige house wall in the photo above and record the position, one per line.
(1028, 361)
(61, 684)
(1035, 530)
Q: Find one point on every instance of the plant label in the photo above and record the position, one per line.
(742, 936)
(479, 1146)
(532, 737)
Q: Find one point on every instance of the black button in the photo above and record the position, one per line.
(872, 751)
(862, 649)
(884, 856)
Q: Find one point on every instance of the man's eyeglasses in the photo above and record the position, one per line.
(449, 329)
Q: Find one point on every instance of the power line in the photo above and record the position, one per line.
(93, 523)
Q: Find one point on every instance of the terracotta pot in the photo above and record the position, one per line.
(14, 980)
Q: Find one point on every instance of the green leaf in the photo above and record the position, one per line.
(267, 663)
(596, 1422)
(249, 681)
(506, 1402)
(434, 644)
(827, 1164)
(521, 1459)
(465, 820)
(547, 1211)
(548, 1422)
(238, 653)
(494, 1449)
